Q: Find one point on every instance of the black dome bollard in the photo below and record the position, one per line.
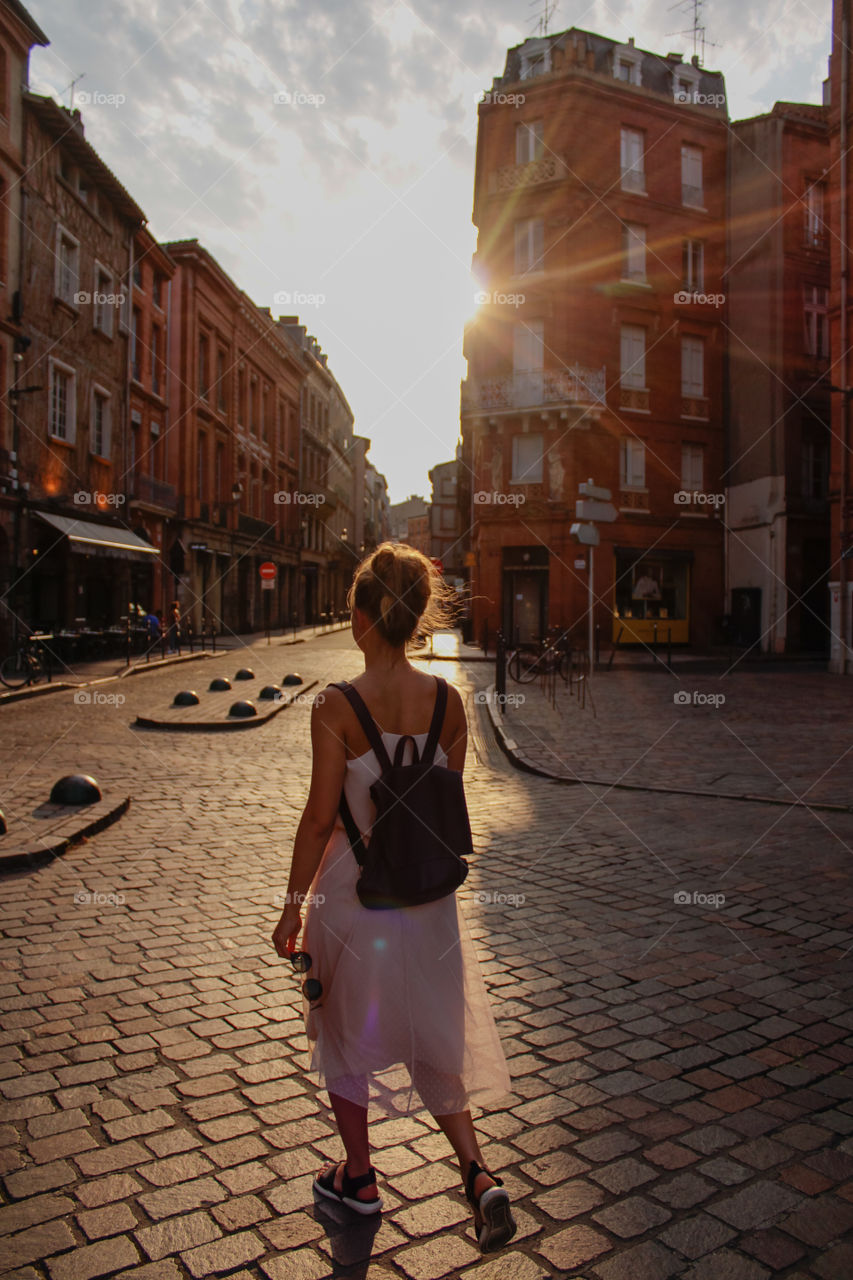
(292, 677)
(75, 788)
(219, 685)
(242, 710)
(186, 698)
(245, 674)
(270, 692)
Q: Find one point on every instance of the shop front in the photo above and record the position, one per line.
(651, 590)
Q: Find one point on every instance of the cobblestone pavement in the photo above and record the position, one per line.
(671, 977)
(781, 735)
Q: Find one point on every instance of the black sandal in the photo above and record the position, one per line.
(498, 1225)
(324, 1183)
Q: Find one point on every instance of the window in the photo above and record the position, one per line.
(135, 344)
(157, 290)
(137, 273)
(633, 251)
(693, 265)
(265, 413)
(815, 308)
(815, 459)
(624, 70)
(67, 266)
(448, 518)
(632, 463)
(691, 176)
(220, 380)
(99, 436)
(201, 477)
(633, 357)
(528, 346)
(156, 359)
(526, 459)
(535, 60)
(203, 366)
(63, 402)
(692, 468)
(632, 147)
(692, 367)
(627, 64)
(684, 90)
(135, 428)
(156, 454)
(529, 142)
(220, 471)
(529, 246)
(104, 301)
(813, 208)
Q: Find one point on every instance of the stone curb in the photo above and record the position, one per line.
(35, 858)
(519, 759)
(217, 726)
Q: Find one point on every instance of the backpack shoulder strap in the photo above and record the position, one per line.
(366, 721)
(437, 721)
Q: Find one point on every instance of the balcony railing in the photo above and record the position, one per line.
(634, 398)
(539, 388)
(634, 499)
(153, 492)
(695, 407)
(548, 168)
(694, 196)
(257, 528)
(633, 179)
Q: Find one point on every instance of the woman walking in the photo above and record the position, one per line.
(396, 1012)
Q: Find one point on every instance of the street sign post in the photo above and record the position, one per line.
(593, 505)
(268, 573)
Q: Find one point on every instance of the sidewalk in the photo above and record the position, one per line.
(779, 737)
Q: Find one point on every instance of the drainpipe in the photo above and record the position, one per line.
(845, 400)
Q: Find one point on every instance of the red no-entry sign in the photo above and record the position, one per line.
(267, 569)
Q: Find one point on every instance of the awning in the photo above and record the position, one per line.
(88, 538)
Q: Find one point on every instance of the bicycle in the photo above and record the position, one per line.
(526, 663)
(27, 665)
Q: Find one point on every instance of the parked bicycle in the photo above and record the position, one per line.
(530, 661)
(29, 664)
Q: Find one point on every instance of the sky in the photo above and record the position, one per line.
(323, 151)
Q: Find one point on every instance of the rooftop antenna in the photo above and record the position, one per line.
(72, 86)
(542, 19)
(697, 31)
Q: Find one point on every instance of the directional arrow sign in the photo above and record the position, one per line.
(585, 533)
(592, 509)
(589, 490)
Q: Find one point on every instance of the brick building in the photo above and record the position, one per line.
(838, 192)
(600, 205)
(232, 450)
(79, 545)
(399, 513)
(777, 287)
(445, 519)
(152, 500)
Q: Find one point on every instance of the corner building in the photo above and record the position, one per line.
(598, 349)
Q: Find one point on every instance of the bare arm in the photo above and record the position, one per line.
(458, 743)
(318, 816)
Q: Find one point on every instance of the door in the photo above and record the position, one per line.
(525, 598)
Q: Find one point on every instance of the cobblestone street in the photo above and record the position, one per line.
(671, 976)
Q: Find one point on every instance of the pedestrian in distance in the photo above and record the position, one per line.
(173, 635)
(396, 1012)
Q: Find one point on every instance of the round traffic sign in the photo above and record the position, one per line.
(267, 569)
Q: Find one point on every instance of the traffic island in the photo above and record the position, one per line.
(222, 710)
(47, 831)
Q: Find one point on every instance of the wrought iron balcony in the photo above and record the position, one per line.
(153, 492)
(695, 407)
(540, 389)
(548, 168)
